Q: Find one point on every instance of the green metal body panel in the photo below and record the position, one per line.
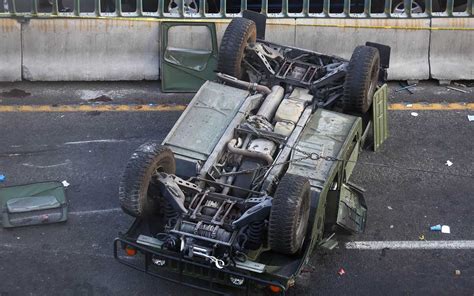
(185, 69)
(330, 134)
(31, 204)
(379, 115)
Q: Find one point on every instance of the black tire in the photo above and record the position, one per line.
(361, 79)
(135, 193)
(238, 34)
(289, 214)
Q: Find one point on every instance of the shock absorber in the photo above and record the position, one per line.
(254, 233)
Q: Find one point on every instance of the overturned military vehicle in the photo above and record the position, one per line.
(255, 173)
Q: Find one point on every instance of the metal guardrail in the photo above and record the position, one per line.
(231, 8)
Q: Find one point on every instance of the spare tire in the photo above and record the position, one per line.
(137, 196)
(361, 79)
(238, 34)
(289, 214)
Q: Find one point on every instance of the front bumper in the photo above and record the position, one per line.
(185, 271)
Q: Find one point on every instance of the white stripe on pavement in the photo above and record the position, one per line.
(411, 245)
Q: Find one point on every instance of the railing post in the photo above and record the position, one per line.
(77, 8)
(264, 9)
(202, 8)
(306, 8)
(118, 7)
(326, 7)
(161, 8)
(97, 8)
(450, 7)
(55, 10)
(429, 7)
(388, 8)
(367, 7)
(470, 7)
(223, 10)
(34, 6)
(347, 8)
(284, 7)
(408, 5)
(139, 10)
(243, 5)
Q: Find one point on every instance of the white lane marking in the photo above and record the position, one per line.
(46, 166)
(94, 141)
(411, 245)
(95, 212)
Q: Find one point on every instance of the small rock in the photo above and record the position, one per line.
(414, 114)
(449, 163)
(390, 208)
(391, 226)
(457, 272)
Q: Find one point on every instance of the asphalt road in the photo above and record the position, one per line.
(408, 188)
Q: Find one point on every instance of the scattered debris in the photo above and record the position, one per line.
(391, 226)
(442, 228)
(470, 117)
(15, 93)
(390, 208)
(329, 243)
(421, 237)
(102, 98)
(414, 114)
(459, 84)
(457, 272)
(2, 178)
(341, 271)
(407, 88)
(18, 237)
(448, 163)
(65, 183)
(457, 89)
(445, 229)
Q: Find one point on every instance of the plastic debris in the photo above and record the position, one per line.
(442, 228)
(390, 208)
(421, 237)
(457, 272)
(65, 183)
(470, 117)
(445, 229)
(2, 178)
(414, 114)
(341, 271)
(449, 163)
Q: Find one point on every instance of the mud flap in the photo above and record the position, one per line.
(352, 211)
(379, 116)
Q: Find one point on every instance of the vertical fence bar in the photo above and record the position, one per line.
(429, 7)
(367, 7)
(284, 8)
(326, 7)
(450, 7)
(139, 10)
(12, 7)
(407, 5)
(161, 8)
(202, 8)
(77, 8)
(34, 6)
(470, 7)
(347, 8)
(243, 5)
(264, 9)
(118, 7)
(55, 10)
(180, 8)
(97, 8)
(388, 8)
(305, 8)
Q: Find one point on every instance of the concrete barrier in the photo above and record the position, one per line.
(90, 49)
(410, 47)
(10, 50)
(452, 52)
